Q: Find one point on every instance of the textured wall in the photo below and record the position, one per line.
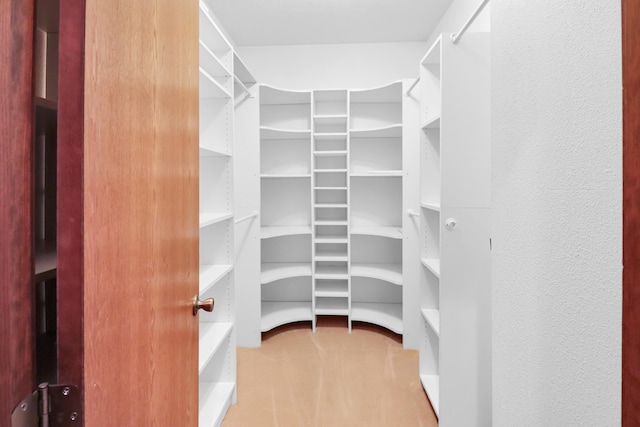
(557, 229)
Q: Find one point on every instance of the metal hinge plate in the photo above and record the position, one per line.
(49, 406)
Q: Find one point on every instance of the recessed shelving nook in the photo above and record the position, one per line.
(454, 228)
(219, 87)
(285, 198)
(331, 172)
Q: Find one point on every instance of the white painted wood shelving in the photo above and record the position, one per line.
(455, 292)
(285, 199)
(219, 88)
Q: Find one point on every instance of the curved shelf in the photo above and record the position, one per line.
(280, 176)
(279, 231)
(271, 95)
(212, 336)
(207, 219)
(386, 315)
(275, 314)
(390, 232)
(212, 274)
(391, 273)
(432, 316)
(269, 133)
(391, 92)
(391, 131)
(270, 272)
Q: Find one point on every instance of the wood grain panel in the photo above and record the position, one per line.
(631, 214)
(70, 192)
(16, 155)
(141, 212)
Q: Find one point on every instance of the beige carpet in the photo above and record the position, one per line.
(330, 378)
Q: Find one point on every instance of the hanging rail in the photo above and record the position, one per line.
(244, 218)
(412, 86)
(456, 36)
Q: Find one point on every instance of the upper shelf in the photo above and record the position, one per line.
(390, 232)
(267, 133)
(390, 131)
(213, 38)
(242, 72)
(383, 94)
(273, 96)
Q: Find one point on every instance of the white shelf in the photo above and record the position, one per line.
(327, 153)
(431, 385)
(211, 63)
(390, 232)
(330, 188)
(212, 336)
(431, 206)
(433, 265)
(282, 312)
(386, 315)
(275, 96)
(212, 274)
(330, 170)
(378, 173)
(210, 88)
(331, 222)
(209, 152)
(241, 71)
(268, 133)
(280, 176)
(332, 240)
(278, 231)
(391, 131)
(432, 316)
(332, 306)
(382, 94)
(330, 119)
(391, 273)
(330, 136)
(330, 205)
(432, 123)
(283, 270)
(214, 401)
(331, 290)
(207, 219)
(331, 272)
(328, 258)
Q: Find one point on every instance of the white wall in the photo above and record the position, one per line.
(557, 229)
(350, 66)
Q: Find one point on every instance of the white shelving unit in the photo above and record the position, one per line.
(455, 251)
(217, 342)
(286, 230)
(375, 212)
(331, 284)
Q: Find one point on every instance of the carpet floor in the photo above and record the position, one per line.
(298, 378)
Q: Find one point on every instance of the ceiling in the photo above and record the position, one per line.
(288, 22)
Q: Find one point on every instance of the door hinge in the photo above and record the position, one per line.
(49, 406)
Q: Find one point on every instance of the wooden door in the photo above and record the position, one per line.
(127, 209)
(631, 214)
(138, 224)
(16, 260)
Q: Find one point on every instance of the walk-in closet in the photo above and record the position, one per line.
(347, 181)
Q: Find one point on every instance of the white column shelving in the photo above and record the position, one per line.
(375, 205)
(225, 83)
(286, 231)
(455, 362)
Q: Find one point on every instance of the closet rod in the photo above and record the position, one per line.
(244, 218)
(243, 87)
(456, 36)
(412, 86)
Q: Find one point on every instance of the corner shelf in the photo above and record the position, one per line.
(277, 313)
(382, 314)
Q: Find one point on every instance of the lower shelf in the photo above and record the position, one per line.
(212, 336)
(214, 401)
(386, 315)
(282, 312)
(431, 384)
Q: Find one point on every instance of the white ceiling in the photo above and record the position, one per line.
(286, 22)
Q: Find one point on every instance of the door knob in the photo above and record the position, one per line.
(206, 305)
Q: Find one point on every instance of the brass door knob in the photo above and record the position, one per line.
(206, 305)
